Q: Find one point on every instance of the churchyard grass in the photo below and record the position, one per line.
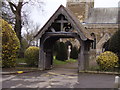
(21, 62)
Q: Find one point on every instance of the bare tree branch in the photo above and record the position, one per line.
(22, 16)
(25, 3)
(13, 7)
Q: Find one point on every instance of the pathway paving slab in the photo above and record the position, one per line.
(58, 78)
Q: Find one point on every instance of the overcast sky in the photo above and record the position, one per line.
(106, 3)
(51, 6)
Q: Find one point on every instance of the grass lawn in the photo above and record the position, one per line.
(58, 62)
(19, 62)
(71, 61)
(21, 65)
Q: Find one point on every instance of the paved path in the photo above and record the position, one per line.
(58, 78)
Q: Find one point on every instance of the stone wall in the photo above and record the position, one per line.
(92, 58)
(102, 33)
(80, 8)
(100, 29)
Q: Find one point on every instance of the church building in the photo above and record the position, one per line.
(102, 23)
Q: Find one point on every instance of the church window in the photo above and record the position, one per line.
(93, 45)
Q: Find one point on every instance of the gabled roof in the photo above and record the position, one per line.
(102, 15)
(84, 34)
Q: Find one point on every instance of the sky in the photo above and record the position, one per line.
(51, 6)
(106, 3)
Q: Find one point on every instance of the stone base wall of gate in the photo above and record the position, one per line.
(92, 58)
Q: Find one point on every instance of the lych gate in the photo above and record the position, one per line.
(63, 24)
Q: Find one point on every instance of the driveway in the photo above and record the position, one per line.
(58, 77)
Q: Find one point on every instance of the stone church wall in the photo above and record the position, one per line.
(100, 30)
(80, 8)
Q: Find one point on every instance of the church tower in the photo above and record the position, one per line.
(80, 8)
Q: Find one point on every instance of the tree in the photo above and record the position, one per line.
(61, 52)
(18, 14)
(6, 13)
(16, 10)
(29, 35)
(114, 44)
(74, 53)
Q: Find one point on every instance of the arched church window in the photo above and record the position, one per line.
(93, 46)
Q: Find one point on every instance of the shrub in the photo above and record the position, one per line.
(61, 53)
(114, 42)
(32, 56)
(55, 48)
(74, 53)
(10, 45)
(107, 60)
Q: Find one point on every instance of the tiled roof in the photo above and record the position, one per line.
(102, 15)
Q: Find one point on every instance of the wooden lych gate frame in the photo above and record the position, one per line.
(63, 24)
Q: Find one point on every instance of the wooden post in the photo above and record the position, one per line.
(86, 61)
(81, 58)
(41, 59)
(41, 63)
(48, 59)
(86, 54)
